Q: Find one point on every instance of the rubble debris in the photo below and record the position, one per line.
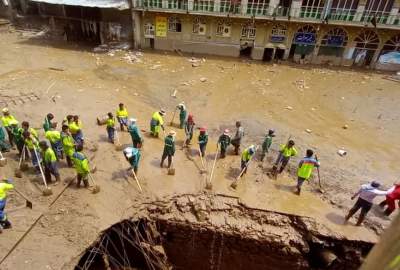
(308, 130)
(290, 108)
(342, 152)
(203, 79)
(155, 67)
(345, 126)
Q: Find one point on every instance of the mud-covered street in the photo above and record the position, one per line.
(309, 104)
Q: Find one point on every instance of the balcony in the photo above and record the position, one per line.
(302, 14)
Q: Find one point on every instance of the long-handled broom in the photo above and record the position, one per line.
(234, 184)
(47, 191)
(209, 182)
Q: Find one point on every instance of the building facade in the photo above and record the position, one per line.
(363, 33)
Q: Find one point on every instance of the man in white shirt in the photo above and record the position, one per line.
(366, 194)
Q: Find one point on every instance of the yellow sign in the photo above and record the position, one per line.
(161, 26)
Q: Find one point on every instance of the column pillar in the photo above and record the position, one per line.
(190, 5)
(273, 4)
(295, 9)
(393, 14)
(217, 4)
(359, 13)
(243, 7)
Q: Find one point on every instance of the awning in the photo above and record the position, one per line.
(118, 4)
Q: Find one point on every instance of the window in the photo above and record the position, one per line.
(229, 6)
(379, 10)
(367, 40)
(174, 24)
(312, 9)
(223, 29)
(177, 4)
(248, 31)
(257, 7)
(152, 3)
(333, 43)
(343, 10)
(149, 30)
(199, 26)
(203, 5)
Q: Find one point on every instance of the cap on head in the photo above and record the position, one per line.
(5, 110)
(252, 149)
(291, 143)
(271, 132)
(162, 112)
(226, 131)
(190, 118)
(128, 152)
(203, 129)
(375, 184)
(13, 122)
(172, 133)
(132, 120)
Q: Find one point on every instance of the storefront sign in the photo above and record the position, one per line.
(335, 41)
(161, 26)
(304, 38)
(277, 39)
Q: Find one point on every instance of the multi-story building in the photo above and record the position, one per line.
(336, 32)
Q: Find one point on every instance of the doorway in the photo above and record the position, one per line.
(268, 54)
(245, 50)
(279, 54)
(292, 51)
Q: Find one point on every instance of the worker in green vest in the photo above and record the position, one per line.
(224, 141)
(18, 138)
(48, 124)
(49, 162)
(169, 148)
(4, 146)
(157, 122)
(306, 166)
(68, 144)
(54, 137)
(122, 116)
(81, 165)
(133, 129)
(182, 114)
(203, 140)
(5, 186)
(267, 143)
(5, 119)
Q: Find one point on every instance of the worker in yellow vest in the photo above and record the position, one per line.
(247, 155)
(110, 127)
(54, 137)
(68, 144)
(26, 127)
(49, 162)
(33, 147)
(285, 153)
(306, 166)
(157, 122)
(122, 116)
(75, 127)
(5, 186)
(5, 119)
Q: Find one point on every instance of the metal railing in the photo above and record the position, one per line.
(306, 13)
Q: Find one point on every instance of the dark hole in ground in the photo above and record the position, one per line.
(165, 244)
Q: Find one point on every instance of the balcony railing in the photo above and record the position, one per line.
(305, 13)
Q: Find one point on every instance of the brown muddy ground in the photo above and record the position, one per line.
(259, 95)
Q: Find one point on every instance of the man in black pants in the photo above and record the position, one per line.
(366, 194)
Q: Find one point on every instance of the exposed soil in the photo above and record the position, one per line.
(70, 79)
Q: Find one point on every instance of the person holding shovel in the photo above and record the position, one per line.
(48, 124)
(305, 169)
(133, 130)
(182, 114)
(5, 186)
(267, 143)
(132, 155)
(203, 140)
(122, 116)
(285, 153)
(157, 122)
(110, 127)
(237, 139)
(68, 144)
(189, 129)
(224, 140)
(247, 155)
(81, 165)
(54, 137)
(49, 162)
(169, 148)
(32, 145)
(6, 119)
(75, 127)
(26, 127)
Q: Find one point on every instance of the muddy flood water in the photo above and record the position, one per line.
(311, 105)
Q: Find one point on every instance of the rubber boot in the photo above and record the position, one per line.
(86, 182)
(298, 190)
(58, 179)
(5, 224)
(387, 212)
(382, 204)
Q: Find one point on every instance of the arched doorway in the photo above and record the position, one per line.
(333, 43)
(303, 43)
(390, 53)
(366, 44)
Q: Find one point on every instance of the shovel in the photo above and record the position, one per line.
(96, 188)
(47, 191)
(173, 117)
(209, 183)
(319, 178)
(234, 184)
(171, 169)
(203, 170)
(136, 179)
(3, 161)
(118, 145)
(28, 203)
(21, 166)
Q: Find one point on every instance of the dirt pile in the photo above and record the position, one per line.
(219, 232)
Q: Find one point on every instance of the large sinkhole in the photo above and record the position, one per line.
(218, 232)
